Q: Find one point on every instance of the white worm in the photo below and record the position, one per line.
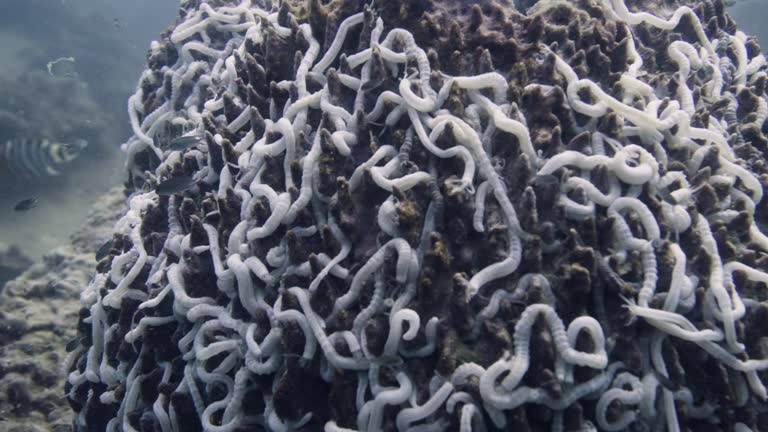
(395, 396)
(317, 329)
(405, 256)
(716, 284)
(516, 366)
(411, 415)
(338, 41)
(396, 330)
(499, 269)
(626, 397)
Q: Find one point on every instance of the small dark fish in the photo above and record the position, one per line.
(73, 344)
(184, 142)
(371, 84)
(27, 204)
(383, 131)
(175, 185)
(665, 382)
(104, 249)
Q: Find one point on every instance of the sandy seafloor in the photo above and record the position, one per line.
(35, 309)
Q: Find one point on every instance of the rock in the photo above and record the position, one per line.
(37, 310)
(12, 263)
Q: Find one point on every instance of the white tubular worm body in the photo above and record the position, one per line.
(642, 173)
(394, 396)
(427, 101)
(631, 397)
(593, 192)
(387, 217)
(675, 324)
(470, 412)
(245, 287)
(365, 73)
(499, 269)
(132, 223)
(317, 329)
(279, 210)
(716, 284)
(519, 294)
(331, 426)
(517, 365)
(404, 183)
(396, 330)
(428, 142)
(643, 17)
(686, 57)
(381, 153)
(404, 257)
(747, 178)
(622, 234)
(519, 130)
(338, 41)
(145, 322)
(411, 415)
(234, 333)
(522, 395)
(657, 360)
(681, 286)
(480, 194)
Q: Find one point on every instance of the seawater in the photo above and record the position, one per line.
(107, 41)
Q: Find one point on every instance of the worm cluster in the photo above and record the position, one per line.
(430, 215)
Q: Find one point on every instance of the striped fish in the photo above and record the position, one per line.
(39, 157)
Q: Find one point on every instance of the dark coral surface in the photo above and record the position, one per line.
(437, 216)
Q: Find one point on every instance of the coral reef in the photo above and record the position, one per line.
(437, 216)
(37, 310)
(13, 262)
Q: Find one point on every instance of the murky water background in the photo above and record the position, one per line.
(108, 40)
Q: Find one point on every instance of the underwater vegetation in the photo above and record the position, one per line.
(436, 215)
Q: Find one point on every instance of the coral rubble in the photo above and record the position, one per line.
(37, 310)
(13, 262)
(437, 216)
